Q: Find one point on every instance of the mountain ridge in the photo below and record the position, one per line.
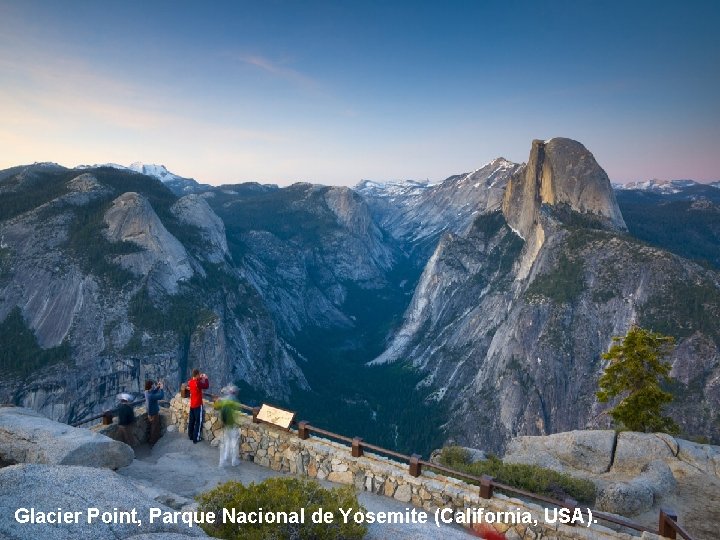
(520, 348)
(291, 292)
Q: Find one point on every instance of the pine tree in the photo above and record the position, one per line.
(635, 371)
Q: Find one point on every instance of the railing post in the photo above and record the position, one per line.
(665, 528)
(486, 486)
(303, 431)
(415, 465)
(357, 450)
(107, 418)
(570, 504)
(255, 411)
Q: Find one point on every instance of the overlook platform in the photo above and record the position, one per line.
(175, 470)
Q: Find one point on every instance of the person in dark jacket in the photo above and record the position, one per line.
(153, 394)
(126, 419)
(196, 385)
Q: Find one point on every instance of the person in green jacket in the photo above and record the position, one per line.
(228, 407)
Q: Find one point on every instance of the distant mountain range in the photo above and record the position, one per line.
(682, 216)
(410, 313)
(178, 184)
(405, 189)
(666, 187)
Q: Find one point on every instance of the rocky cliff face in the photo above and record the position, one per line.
(306, 249)
(560, 173)
(193, 210)
(561, 179)
(499, 289)
(508, 321)
(111, 279)
(417, 214)
(161, 257)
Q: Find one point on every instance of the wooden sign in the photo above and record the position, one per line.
(275, 416)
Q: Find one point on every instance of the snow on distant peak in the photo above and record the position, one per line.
(657, 186)
(491, 172)
(157, 171)
(389, 188)
(98, 165)
(497, 163)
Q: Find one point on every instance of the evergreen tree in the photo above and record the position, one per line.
(636, 371)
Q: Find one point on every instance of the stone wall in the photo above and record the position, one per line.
(140, 427)
(180, 410)
(283, 451)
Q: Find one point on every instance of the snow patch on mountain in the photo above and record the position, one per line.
(178, 184)
(665, 187)
(419, 212)
(157, 171)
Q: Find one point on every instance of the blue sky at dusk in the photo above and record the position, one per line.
(334, 92)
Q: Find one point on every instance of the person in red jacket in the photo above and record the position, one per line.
(196, 385)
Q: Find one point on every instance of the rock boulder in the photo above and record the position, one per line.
(639, 493)
(704, 457)
(635, 450)
(29, 437)
(580, 450)
(43, 487)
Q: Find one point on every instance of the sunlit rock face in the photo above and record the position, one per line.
(561, 183)
(509, 318)
(560, 172)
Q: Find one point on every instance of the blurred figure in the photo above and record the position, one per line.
(487, 532)
(153, 394)
(126, 419)
(228, 405)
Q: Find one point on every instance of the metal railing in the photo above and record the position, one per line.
(667, 522)
(107, 416)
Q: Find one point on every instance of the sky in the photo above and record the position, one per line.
(338, 91)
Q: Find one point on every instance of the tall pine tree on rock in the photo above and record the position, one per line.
(636, 371)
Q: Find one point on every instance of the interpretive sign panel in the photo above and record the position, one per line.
(275, 416)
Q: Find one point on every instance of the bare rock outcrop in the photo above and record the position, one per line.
(560, 172)
(633, 472)
(194, 210)
(29, 437)
(635, 450)
(561, 179)
(589, 450)
(42, 487)
(131, 218)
